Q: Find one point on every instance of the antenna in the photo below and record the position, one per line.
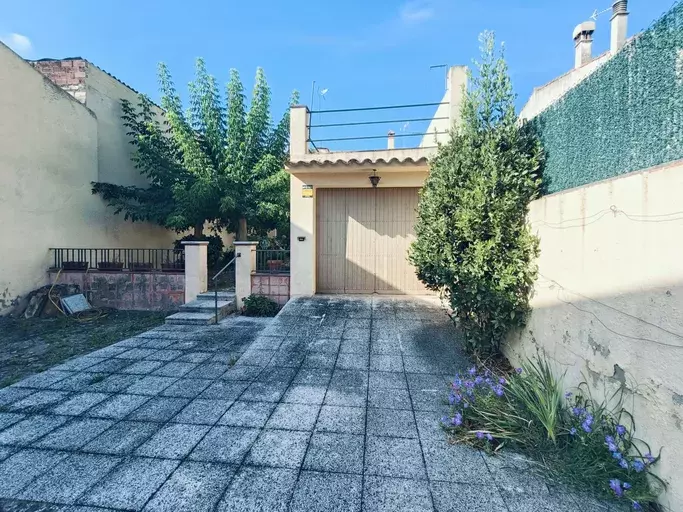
(438, 66)
(597, 13)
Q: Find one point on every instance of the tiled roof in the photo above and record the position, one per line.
(330, 160)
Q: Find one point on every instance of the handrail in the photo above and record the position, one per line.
(215, 287)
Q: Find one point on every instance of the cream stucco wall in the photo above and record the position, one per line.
(48, 157)
(103, 96)
(608, 304)
(303, 213)
(544, 96)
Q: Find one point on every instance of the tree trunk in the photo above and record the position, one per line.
(199, 229)
(242, 230)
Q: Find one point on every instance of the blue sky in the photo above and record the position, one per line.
(365, 52)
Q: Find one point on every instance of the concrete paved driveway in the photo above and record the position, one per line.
(334, 406)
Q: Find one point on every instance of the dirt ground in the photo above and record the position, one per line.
(29, 346)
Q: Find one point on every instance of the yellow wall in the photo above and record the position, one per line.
(48, 157)
(608, 304)
(303, 214)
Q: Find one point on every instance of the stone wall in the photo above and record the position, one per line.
(145, 291)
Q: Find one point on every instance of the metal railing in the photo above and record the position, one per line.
(363, 124)
(272, 261)
(214, 280)
(131, 260)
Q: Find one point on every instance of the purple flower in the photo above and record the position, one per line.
(578, 411)
(480, 435)
(624, 465)
(573, 431)
(621, 430)
(616, 455)
(489, 437)
(609, 440)
(612, 447)
(457, 419)
(638, 466)
(649, 457)
(627, 486)
(502, 381)
(615, 485)
(479, 379)
(472, 371)
(469, 384)
(498, 390)
(636, 506)
(568, 395)
(586, 427)
(465, 405)
(518, 370)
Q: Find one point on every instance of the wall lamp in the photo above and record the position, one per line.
(374, 179)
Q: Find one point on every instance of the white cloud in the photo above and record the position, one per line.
(416, 11)
(18, 42)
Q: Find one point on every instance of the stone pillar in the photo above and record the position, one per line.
(196, 269)
(245, 265)
(299, 129)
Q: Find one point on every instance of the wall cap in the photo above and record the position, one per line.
(243, 242)
(194, 242)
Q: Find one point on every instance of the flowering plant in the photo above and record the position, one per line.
(578, 440)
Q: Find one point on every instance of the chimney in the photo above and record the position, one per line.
(583, 43)
(390, 140)
(619, 25)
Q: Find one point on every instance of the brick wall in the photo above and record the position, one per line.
(68, 74)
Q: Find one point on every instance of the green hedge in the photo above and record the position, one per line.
(626, 116)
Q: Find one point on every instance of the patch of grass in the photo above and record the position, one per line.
(575, 439)
(33, 345)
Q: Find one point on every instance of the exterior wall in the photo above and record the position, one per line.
(608, 304)
(273, 286)
(146, 291)
(48, 157)
(448, 113)
(546, 95)
(303, 214)
(103, 96)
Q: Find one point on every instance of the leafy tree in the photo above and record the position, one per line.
(219, 161)
(473, 242)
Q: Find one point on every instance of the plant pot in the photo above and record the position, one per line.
(141, 267)
(174, 266)
(75, 265)
(110, 266)
(275, 265)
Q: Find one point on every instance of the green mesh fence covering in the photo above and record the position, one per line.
(627, 116)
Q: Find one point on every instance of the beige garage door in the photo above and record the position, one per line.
(363, 240)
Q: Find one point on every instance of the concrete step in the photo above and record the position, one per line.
(222, 295)
(206, 306)
(191, 318)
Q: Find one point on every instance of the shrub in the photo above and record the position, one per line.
(214, 251)
(258, 305)
(576, 439)
(473, 243)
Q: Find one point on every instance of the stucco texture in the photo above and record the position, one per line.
(608, 302)
(48, 158)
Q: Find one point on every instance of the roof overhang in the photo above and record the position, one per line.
(416, 159)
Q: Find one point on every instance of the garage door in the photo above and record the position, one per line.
(363, 240)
